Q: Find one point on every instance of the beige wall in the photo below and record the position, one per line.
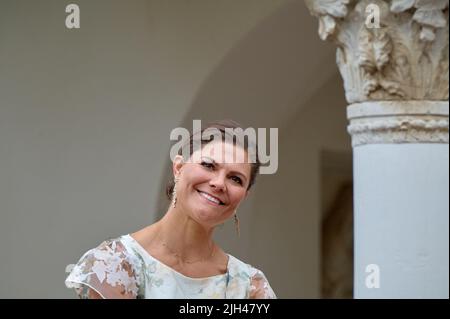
(287, 207)
(85, 117)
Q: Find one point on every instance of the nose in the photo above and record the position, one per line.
(218, 182)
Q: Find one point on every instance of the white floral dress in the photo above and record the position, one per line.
(122, 268)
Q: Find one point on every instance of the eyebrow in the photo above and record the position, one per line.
(217, 164)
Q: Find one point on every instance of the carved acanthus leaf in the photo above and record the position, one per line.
(398, 6)
(327, 11)
(429, 14)
(404, 57)
(375, 48)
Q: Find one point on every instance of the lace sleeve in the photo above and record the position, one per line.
(108, 271)
(259, 286)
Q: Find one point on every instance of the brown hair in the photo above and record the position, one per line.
(221, 126)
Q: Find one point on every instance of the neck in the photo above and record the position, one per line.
(183, 235)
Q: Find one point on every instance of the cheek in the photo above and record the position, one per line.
(196, 176)
(236, 196)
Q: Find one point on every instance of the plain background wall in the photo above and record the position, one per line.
(85, 117)
(286, 218)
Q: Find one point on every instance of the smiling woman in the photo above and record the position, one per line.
(176, 257)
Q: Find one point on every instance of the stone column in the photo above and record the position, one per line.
(393, 58)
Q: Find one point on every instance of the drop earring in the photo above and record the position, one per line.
(174, 192)
(236, 224)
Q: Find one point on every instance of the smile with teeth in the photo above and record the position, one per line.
(210, 198)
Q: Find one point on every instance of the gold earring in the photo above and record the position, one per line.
(174, 192)
(236, 224)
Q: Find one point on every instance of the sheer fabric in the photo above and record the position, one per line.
(121, 268)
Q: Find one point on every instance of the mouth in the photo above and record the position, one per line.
(211, 199)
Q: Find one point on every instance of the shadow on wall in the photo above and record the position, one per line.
(337, 225)
(274, 77)
(265, 76)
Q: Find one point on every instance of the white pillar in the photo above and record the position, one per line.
(395, 71)
(401, 206)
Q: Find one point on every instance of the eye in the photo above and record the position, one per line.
(237, 179)
(207, 165)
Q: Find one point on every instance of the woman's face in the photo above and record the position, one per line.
(211, 188)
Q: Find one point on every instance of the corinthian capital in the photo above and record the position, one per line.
(388, 49)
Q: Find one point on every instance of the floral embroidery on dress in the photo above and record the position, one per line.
(108, 269)
(259, 286)
(121, 268)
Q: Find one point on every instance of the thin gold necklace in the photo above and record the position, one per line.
(213, 250)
